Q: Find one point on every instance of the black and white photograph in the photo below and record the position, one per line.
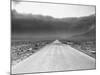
(52, 37)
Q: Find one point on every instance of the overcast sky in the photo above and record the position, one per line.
(54, 10)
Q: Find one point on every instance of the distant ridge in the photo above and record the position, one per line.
(34, 24)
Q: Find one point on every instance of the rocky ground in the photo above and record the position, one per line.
(23, 49)
(88, 47)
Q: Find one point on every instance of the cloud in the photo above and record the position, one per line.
(54, 10)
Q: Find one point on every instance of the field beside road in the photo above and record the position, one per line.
(21, 49)
(86, 46)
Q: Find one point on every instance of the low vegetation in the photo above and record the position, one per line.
(23, 49)
(88, 47)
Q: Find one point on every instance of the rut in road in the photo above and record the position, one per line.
(55, 57)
